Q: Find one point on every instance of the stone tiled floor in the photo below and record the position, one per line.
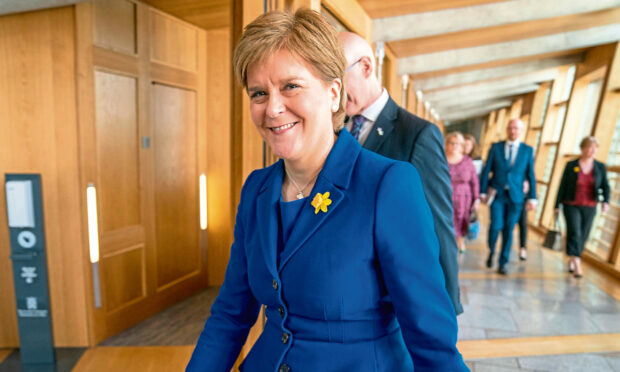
(604, 362)
(525, 304)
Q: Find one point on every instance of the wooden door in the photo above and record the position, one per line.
(175, 182)
(144, 150)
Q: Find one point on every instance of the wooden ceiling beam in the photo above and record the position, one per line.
(473, 112)
(498, 63)
(511, 49)
(504, 33)
(382, 8)
(462, 106)
(498, 84)
(206, 14)
(481, 16)
(469, 77)
(483, 96)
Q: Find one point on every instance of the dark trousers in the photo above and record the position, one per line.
(523, 227)
(504, 216)
(578, 225)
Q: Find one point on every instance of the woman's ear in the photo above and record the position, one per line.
(334, 90)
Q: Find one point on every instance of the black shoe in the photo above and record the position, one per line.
(502, 270)
(490, 260)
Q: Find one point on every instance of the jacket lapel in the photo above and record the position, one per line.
(267, 213)
(333, 178)
(383, 127)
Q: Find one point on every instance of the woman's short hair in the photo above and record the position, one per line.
(474, 150)
(587, 142)
(305, 34)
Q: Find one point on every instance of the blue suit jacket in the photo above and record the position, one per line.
(358, 288)
(505, 174)
(409, 138)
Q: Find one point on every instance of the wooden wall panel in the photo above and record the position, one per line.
(115, 25)
(118, 189)
(123, 275)
(220, 213)
(38, 134)
(176, 182)
(173, 43)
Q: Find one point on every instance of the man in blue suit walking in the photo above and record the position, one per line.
(511, 162)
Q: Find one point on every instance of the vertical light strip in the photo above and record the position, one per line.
(203, 201)
(93, 228)
(93, 239)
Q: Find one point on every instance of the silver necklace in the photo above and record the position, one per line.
(300, 190)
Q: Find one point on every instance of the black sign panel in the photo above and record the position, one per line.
(25, 217)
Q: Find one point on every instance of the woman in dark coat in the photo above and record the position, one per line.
(584, 183)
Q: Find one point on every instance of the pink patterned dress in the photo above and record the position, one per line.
(465, 189)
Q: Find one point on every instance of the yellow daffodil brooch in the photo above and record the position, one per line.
(320, 202)
(576, 169)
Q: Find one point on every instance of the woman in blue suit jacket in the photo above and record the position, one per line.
(336, 241)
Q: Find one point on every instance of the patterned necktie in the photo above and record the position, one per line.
(358, 121)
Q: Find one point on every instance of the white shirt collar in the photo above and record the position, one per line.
(515, 142)
(372, 112)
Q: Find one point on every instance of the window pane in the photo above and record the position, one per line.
(549, 164)
(545, 106)
(589, 111)
(559, 122)
(537, 142)
(613, 158)
(542, 194)
(605, 224)
(568, 87)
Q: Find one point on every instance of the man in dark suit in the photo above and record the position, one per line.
(512, 163)
(387, 129)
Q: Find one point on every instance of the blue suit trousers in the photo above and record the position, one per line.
(504, 216)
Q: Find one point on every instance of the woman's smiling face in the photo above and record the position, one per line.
(290, 106)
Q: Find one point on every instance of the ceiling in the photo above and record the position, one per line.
(469, 57)
(465, 57)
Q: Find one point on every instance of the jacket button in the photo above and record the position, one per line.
(281, 311)
(284, 368)
(274, 284)
(285, 337)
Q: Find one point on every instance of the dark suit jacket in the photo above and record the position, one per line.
(357, 287)
(409, 138)
(506, 175)
(568, 185)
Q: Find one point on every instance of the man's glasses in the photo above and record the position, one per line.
(353, 64)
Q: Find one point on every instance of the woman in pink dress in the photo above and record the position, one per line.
(465, 186)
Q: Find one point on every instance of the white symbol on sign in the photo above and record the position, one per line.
(29, 273)
(26, 239)
(31, 303)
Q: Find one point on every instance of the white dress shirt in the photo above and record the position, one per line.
(371, 114)
(515, 149)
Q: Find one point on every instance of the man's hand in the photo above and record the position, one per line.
(483, 198)
(531, 205)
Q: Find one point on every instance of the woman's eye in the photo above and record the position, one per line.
(257, 94)
(291, 86)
